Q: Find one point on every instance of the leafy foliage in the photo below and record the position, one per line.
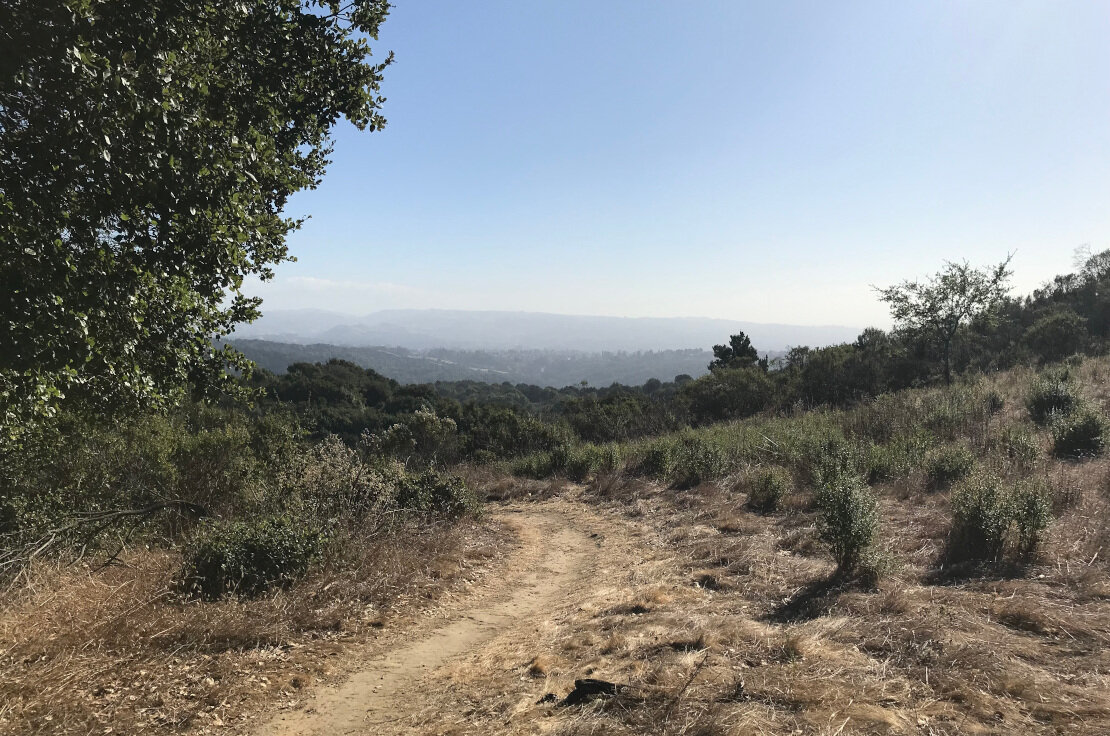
(1057, 333)
(981, 516)
(769, 489)
(1081, 433)
(937, 307)
(739, 353)
(431, 492)
(1032, 510)
(1053, 393)
(248, 557)
(987, 512)
(697, 460)
(729, 393)
(946, 465)
(847, 519)
(147, 151)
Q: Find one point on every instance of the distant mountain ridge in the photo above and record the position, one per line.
(417, 329)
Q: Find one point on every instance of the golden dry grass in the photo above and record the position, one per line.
(758, 636)
(119, 651)
(718, 620)
(724, 621)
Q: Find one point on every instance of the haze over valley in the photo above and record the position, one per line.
(424, 346)
(421, 329)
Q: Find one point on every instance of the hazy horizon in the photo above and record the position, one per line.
(514, 330)
(764, 162)
(372, 312)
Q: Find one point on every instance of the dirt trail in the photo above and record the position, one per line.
(390, 685)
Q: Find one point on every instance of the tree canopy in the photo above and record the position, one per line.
(935, 308)
(147, 152)
(738, 353)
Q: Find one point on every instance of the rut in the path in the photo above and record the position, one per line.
(377, 698)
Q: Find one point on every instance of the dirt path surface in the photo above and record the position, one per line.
(390, 688)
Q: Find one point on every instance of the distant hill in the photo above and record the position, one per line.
(499, 331)
(537, 367)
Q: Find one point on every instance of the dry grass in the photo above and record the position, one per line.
(757, 637)
(723, 621)
(497, 485)
(84, 652)
(719, 621)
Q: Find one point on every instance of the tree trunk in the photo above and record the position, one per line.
(948, 362)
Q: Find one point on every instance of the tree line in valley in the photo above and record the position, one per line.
(544, 367)
(957, 322)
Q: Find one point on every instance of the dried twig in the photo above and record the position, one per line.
(81, 531)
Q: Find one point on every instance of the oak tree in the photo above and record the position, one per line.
(935, 308)
(148, 149)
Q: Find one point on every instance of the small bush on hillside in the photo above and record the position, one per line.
(946, 465)
(986, 514)
(696, 461)
(847, 519)
(536, 465)
(1052, 394)
(981, 516)
(431, 492)
(544, 464)
(819, 453)
(338, 481)
(657, 461)
(834, 459)
(898, 458)
(883, 464)
(584, 461)
(1079, 434)
(995, 401)
(954, 412)
(1032, 509)
(769, 488)
(581, 462)
(248, 557)
(1020, 445)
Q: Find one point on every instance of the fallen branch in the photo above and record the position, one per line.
(81, 531)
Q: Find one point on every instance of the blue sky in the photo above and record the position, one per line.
(757, 161)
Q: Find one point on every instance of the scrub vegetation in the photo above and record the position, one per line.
(902, 534)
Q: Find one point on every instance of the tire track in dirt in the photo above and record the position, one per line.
(376, 699)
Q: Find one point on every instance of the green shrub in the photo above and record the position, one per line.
(584, 461)
(946, 465)
(336, 481)
(833, 458)
(248, 557)
(1079, 434)
(898, 458)
(696, 461)
(981, 515)
(883, 464)
(432, 492)
(847, 519)
(1020, 445)
(1052, 394)
(995, 402)
(657, 461)
(581, 462)
(987, 516)
(769, 488)
(1032, 509)
(538, 465)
